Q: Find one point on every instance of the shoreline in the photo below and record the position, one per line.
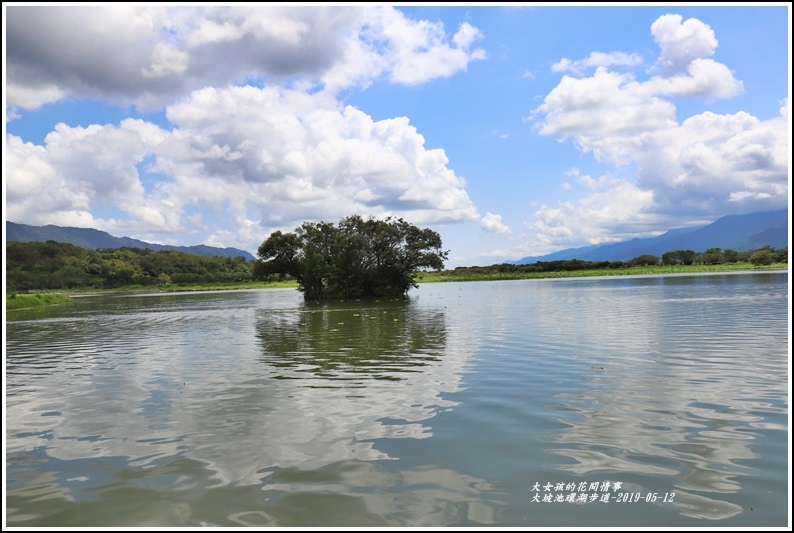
(483, 274)
(45, 298)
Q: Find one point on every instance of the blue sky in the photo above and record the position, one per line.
(513, 130)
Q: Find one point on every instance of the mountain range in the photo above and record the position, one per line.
(94, 239)
(735, 232)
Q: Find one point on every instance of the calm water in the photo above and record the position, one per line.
(466, 404)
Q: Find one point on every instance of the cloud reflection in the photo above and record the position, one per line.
(271, 384)
(683, 390)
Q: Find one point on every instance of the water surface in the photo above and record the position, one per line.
(465, 404)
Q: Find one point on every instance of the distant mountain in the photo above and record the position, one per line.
(735, 232)
(93, 239)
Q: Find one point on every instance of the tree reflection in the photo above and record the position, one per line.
(375, 339)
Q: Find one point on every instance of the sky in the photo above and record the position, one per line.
(513, 130)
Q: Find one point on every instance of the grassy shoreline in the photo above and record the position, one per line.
(44, 298)
(484, 274)
(15, 302)
(185, 287)
(22, 301)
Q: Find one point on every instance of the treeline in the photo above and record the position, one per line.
(58, 265)
(713, 256)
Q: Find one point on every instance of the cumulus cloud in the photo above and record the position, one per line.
(434, 58)
(150, 55)
(302, 158)
(31, 96)
(707, 165)
(614, 210)
(166, 60)
(270, 147)
(406, 51)
(261, 158)
(87, 51)
(81, 169)
(703, 78)
(682, 42)
(492, 223)
(716, 163)
(603, 113)
(36, 191)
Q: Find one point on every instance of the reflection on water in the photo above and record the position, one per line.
(350, 493)
(253, 408)
(327, 356)
(352, 341)
(660, 406)
(159, 396)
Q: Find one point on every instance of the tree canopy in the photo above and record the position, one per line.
(356, 258)
(61, 265)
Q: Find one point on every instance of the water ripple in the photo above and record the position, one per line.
(254, 408)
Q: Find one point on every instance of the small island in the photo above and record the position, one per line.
(357, 258)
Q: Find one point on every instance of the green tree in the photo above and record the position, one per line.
(763, 257)
(675, 257)
(355, 258)
(644, 260)
(687, 256)
(120, 273)
(57, 265)
(712, 256)
(730, 256)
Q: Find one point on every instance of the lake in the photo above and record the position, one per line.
(632, 401)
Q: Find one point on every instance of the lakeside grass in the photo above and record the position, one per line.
(489, 274)
(185, 287)
(44, 297)
(16, 301)
(20, 301)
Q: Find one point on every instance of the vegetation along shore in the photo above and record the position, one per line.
(50, 273)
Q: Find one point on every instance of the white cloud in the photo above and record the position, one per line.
(409, 52)
(466, 36)
(703, 78)
(707, 165)
(37, 193)
(609, 113)
(303, 157)
(597, 59)
(718, 163)
(615, 210)
(604, 104)
(87, 51)
(256, 158)
(32, 96)
(253, 157)
(682, 42)
(492, 223)
(81, 169)
(166, 61)
(150, 55)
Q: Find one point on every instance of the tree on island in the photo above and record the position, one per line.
(356, 258)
